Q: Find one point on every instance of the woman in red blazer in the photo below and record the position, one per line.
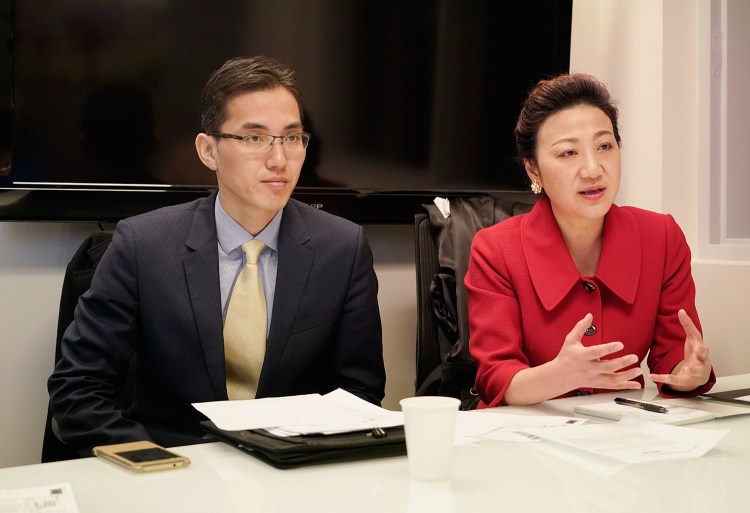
(571, 297)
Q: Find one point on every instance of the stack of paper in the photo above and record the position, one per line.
(336, 412)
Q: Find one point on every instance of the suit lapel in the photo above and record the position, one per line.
(552, 269)
(295, 261)
(202, 275)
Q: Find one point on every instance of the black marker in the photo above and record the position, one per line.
(643, 406)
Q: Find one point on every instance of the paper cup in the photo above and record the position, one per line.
(431, 497)
(430, 425)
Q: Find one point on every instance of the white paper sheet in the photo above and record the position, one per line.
(632, 440)
(337, 412)
(474, 425)
(57, 498)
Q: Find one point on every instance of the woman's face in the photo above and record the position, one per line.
(578, 164)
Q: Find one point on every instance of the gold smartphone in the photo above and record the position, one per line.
(141, 456)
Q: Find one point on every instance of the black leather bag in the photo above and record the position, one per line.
(296, 451)
(454, 374)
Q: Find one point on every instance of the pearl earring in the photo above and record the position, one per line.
(536, 186)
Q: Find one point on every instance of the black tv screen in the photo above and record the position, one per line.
(405, 99)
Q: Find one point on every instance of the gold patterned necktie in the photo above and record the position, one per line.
(245, 328)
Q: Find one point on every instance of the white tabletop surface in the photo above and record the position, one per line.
(493, 476)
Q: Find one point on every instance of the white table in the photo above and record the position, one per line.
(492, 477)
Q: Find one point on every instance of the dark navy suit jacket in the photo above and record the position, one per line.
(156, 294)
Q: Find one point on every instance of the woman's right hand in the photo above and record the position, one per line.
(576, 366)
(580, 366)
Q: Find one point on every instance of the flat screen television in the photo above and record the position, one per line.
(405, 100)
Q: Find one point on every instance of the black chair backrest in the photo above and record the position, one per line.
(427, 267)
(77, 280)
(442, 249)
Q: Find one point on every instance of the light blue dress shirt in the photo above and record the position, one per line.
(230, 237)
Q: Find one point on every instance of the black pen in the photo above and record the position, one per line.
(643, 406)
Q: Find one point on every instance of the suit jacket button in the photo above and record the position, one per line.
(590, 330)
(588, 286)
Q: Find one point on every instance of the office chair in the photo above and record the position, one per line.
(76, 281)
(442, 246)
(427, 267)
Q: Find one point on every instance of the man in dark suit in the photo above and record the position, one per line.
(162, 290)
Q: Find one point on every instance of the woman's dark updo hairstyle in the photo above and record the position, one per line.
(556, 94)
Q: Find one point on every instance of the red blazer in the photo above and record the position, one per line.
(525, 294)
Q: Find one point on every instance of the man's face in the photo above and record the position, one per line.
(253, 187)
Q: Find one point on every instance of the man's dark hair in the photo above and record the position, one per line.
(242, 75)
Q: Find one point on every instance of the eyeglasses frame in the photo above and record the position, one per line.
(225, 135)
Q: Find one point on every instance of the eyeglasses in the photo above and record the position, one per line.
(260, 143)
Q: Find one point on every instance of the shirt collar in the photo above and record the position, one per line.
(551, 267)
(231, 235)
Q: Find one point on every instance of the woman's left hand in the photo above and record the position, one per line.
(695, 368)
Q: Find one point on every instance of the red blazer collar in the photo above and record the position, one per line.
(551, 267)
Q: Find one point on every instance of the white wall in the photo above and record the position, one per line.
(32, 263)
(643, 49)
(647, 52)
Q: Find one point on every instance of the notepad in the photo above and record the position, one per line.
(741, 396)
(676, 415)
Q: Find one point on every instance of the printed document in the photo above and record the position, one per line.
(633, 440)
(56, 498)
(336, 412)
